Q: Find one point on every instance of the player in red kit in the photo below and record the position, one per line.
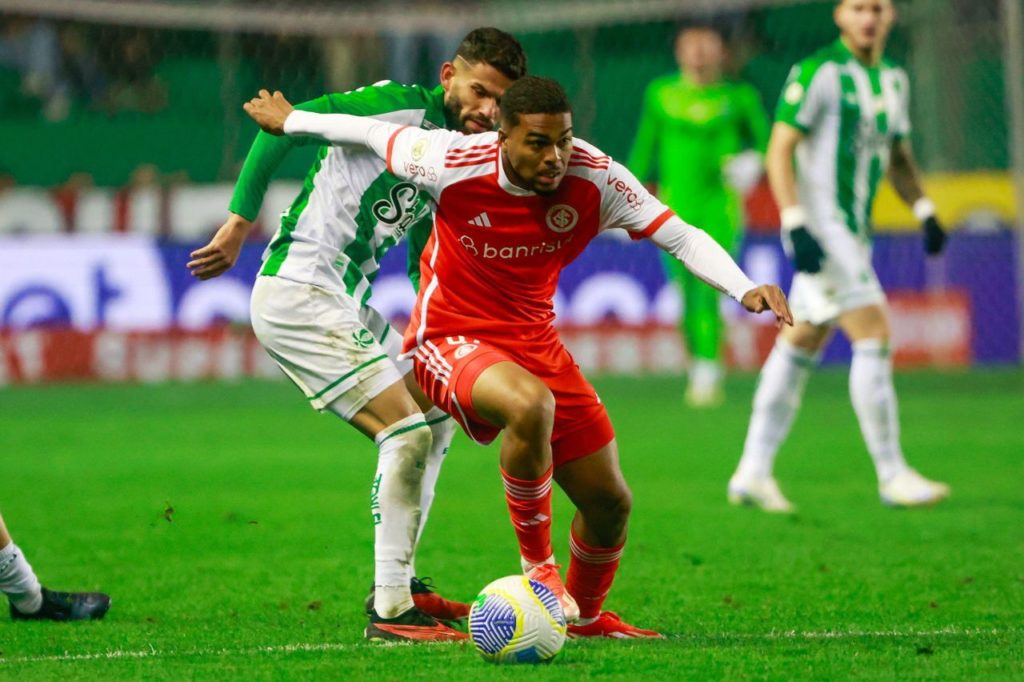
(514, 207)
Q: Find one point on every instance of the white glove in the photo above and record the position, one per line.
(743, 171)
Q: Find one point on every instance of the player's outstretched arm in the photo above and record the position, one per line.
(768, 297)
(706, 259)
(265, 156)
(277, 116)
(222, 251)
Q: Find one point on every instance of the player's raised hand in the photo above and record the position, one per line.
(269, 111)
(768, 297)
(220, 254)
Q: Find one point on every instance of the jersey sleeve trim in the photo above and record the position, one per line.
(470, 156)
(653, 227)
(391, 148)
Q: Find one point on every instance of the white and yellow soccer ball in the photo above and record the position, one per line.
(517, 620)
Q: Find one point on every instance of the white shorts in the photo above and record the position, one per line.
(847, 280)
(341, 354)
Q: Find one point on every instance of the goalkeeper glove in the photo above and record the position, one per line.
(805, 250)
(934, 235)
(743, 171)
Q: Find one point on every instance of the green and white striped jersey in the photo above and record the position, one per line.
(350, 210)
(850, 114)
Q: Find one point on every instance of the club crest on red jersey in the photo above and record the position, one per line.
(561, 218)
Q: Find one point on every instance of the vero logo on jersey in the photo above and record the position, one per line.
(481, 220)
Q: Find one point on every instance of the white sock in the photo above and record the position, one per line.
(442, 430)
(18, 581)
(874, 401)
(395, 506)
(776, 401)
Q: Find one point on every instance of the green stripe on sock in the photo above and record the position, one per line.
(799, 359)
(404, 429)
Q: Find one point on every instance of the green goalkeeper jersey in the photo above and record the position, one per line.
(687, 132)
(850, 114)
(350, 210)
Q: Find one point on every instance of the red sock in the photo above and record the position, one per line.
(591, 572)
(529, 505)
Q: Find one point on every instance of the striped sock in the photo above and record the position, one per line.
(591, 572)
(529, 505)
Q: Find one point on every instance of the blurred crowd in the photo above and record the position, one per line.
(52, 66)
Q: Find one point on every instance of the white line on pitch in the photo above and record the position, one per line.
(156, 653)
(949, 630)
(152, 652)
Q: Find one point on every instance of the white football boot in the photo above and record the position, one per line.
(911, 489)
(705, 387)
(762, 493)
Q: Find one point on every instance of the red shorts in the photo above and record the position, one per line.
(446, 369)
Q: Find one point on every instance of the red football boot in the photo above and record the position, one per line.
(608, 624)
(431, 603)
(410, 626)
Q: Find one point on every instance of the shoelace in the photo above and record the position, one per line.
(543, 572)
(424, 584)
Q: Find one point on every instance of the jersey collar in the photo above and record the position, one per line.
(845, 50)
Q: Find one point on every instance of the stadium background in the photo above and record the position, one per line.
(222, 514)
(122, 122)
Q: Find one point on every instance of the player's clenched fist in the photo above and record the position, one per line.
(768, 297)
(269, 111)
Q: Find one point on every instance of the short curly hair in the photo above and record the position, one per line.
(533, 95)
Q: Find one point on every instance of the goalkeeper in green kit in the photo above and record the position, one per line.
(700, 139)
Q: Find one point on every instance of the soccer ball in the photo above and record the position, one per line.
(517, 620)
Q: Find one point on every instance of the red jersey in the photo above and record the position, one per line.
(491, 266)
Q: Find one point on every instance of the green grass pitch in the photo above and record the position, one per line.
(231, 525)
